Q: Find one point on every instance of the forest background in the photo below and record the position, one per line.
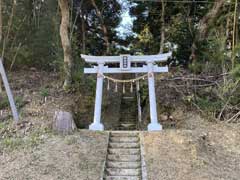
(203, 35)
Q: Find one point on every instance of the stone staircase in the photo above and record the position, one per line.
(128, 116)
(124, 157)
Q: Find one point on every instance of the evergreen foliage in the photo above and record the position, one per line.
(31, 37)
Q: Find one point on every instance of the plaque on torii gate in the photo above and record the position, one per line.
(125, 62)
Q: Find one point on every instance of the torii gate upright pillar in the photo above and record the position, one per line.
(154, 125)
(97, 125)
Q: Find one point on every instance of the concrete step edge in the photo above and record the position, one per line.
(124, 139)
(123, 151)
(123, 158)
(123, 165)
(124, 145)
(122, 178)
(124, 134)
(123, 172)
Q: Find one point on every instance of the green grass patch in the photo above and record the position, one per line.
(209, 105)
(44, 92)
(11, 143)
(4, 103)
(69, 140)
(31, 140)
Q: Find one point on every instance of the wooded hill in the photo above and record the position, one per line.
(198, 101)
(203, 35)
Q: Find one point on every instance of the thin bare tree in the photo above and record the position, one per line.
(1, 35)
(1, 23)
(104, 28)
(66, 44)
(234, 32)
(204, 25)
(6, 38)
(162, 28)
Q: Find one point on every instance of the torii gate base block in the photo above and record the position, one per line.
(154, 127)
(96, 127)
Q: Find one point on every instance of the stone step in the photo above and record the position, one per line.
(124, 165)
(124, 139)
(122, 178)
(129, 110)
(128, 120)
(128, 113)
(127, 128)
(128, 106)
(124, 134)
(129, 102)
(123, 172)
(124, 145)
(128, 117)
(123, 158)
(122, 151)
(127, 125)
(128, 97)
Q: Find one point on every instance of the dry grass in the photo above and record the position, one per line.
(211, 152)
(79, 156)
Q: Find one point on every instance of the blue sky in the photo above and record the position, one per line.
(125, 27)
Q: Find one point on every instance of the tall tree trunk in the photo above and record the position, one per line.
(162, 28)
(237, 24)
(104, 28)
(83, 28)
(228, 29)
(66, 44)
(1, 35)
(235, 20)
(204, 24)
(1, 23)
(6, 39)
(10, 23)
(234, 24)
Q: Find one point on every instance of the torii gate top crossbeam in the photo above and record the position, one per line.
(116, 59)
(125, 62)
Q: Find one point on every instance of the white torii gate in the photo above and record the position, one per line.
(125, 62)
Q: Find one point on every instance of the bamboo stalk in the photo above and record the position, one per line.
(234, 33)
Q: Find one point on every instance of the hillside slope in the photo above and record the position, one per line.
(79, 156)
(209, 153)
(193, 149)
